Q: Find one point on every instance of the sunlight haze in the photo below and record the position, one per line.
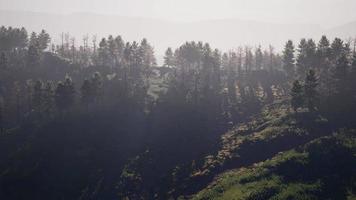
(280, 11)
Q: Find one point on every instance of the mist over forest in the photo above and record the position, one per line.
(102, 106)
(225, 34)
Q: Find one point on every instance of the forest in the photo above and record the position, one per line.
(101, 119)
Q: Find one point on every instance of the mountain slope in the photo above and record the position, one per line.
(274, 130)
(322, 169)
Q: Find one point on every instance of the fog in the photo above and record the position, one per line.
(322, 12)
(226, 24)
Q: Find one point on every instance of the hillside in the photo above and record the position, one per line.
(88, 123)
(264, 135)
(324, 168)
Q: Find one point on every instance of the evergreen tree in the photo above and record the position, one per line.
(297, 95)
(248, 59)
(43, 40)
(97, 84)
(259, 58)
(48, 101)
(352, 80)
(4, 64)
(231, 78)
(33, 40)
(91, 90)
(310, 91)
(120, 45)
(288, 59)
(86, 93)
(37, 97)
(306, 57)
(323, 65)
(340, 77)
(103, 53)
(169, 58)
(33, 56)
(323, 49)
(337, 50)
(65, 94)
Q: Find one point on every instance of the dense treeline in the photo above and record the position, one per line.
(132, 126)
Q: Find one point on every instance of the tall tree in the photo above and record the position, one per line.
(310, 91)
(33, 56)
(323, 65)
(288, 59)
(258, 58)
(43, 40)
(37, 98)
(65, 94)
(4, 63)
(169, 58)
(306, 57)
(296, 95)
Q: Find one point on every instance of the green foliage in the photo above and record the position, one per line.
(65, 94)
(151, 132)
(310, 91)
(288, 59)
(286, 176)
(297, 95)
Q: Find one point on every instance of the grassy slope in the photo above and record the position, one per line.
(274, 130)
(322, 169)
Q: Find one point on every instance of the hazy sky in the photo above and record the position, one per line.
(323, 12)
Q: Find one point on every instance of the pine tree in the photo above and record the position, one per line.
(310, 91)
(86, 93)
(33, 40)
(323, 65)
(169, 58)
(37, 97)
(306, 59)
(33, 56)
(288, 59)
(65, 94)
(43, 40)
(323, 50)
(258, 58)
(297, 95)
(337, 50)
(97, 84)
(103, 53)
(352, 79)
(231, 78)
(339, 76)
(4, 64)
(48, 101)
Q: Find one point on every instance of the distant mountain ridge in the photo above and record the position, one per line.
(224, 34)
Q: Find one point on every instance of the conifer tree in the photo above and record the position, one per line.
(340, 76)
(103, 53)
(48, 94)
(3, 61)
(258, 58)
(288, 59)
(306, 59)
(43, 40)
(337, 50)
(352, 80)
(323, 65)
(65, 94)
(169, 58)
(310, 91)
(37, 97)
(33, 56)
(297, 95)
